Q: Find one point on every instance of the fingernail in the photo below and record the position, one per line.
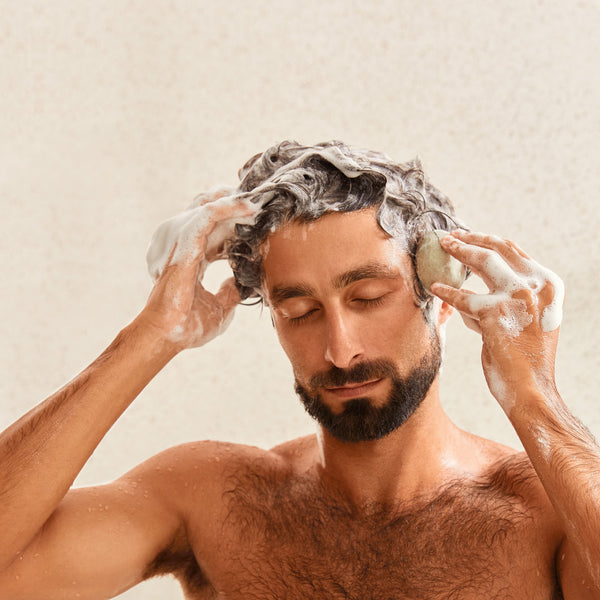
(448, 239)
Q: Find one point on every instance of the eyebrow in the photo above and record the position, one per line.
(373, 270)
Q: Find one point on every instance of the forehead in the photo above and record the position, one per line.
(321, 251)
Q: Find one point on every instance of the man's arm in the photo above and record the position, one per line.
(98, 541)
(42, 453)
(519, 321)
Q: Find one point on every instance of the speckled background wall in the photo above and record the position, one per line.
(114, 114)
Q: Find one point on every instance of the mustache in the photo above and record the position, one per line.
(359, 373)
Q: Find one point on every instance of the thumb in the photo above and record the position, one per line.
(228, 296)
(471, 323)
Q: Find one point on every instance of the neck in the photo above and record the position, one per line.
(413, 461)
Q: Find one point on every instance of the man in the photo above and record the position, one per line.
(389, 499)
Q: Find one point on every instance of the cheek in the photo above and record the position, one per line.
(401, 337)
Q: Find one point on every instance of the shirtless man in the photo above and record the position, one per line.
(389, 499)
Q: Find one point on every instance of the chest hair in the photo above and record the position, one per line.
(297, 540)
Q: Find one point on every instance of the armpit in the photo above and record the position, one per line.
(178, 559)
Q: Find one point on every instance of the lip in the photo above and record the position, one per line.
(354, 390)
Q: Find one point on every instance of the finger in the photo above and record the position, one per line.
(192, 238)
(169, 261)
(228, 295)
(183, 270)
(176, 239)
(466, 302)
(489, 265)
(230, 207)
(508, 249)
(471, 323)
(225, 214)
(459, 299)
(184, 237)
(202, 222)
(212, 195)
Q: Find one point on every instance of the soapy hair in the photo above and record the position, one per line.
(295, 183)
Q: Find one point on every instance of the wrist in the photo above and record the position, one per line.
(539, 409)
(532, 397)
(142, 333)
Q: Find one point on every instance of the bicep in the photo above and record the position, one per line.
(97, 543)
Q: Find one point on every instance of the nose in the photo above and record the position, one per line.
(343, 345)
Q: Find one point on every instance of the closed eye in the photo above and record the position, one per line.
(362, 302)
(301, 318)
(370, 302)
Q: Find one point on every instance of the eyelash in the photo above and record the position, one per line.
(365, 302)
(301, 319)
(371, 301)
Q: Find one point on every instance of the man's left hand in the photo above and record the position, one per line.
(518, 318)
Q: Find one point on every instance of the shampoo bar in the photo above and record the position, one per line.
(435, 264)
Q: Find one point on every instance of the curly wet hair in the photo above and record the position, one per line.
(296, 183)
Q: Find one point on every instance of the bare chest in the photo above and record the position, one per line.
(297, 544)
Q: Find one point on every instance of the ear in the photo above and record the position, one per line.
(444, 313)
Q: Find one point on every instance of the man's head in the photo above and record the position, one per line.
(332, 254)
(341, 296)
(295, 183)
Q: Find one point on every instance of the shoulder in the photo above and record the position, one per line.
(203, 458)
(299, 452)
(181, 471)
(513, 474)
(511, 478)
(507, 476)
(498, 467)
(205, 485)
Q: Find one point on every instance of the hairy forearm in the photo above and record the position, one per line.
(567, 460)
(42, 453)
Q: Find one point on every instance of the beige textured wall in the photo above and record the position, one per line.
(114, 114)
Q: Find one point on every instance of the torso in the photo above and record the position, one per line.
(277, 532)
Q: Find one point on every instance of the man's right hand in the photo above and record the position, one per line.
(179, 307)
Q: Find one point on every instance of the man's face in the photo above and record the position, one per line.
(341, 296)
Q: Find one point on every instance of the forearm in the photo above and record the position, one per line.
(519, 320)
(42, 453)
(567, 460)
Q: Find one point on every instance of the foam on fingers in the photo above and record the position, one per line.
(216, 219)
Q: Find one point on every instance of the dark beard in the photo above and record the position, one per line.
(361, 421)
